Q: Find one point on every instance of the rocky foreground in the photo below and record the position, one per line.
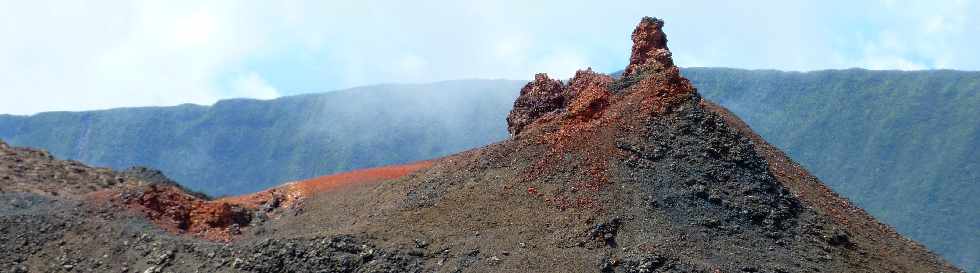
(637, 174)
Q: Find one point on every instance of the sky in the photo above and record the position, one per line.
(83, 55)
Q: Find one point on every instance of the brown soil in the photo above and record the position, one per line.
(36, 171)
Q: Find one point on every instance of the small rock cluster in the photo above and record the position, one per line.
(588, 93)
(177, 211)
(538, 97)
(585, 95)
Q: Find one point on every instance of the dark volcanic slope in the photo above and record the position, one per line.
(635, 175)
(61, 216)
(901, 144)
(600, 175)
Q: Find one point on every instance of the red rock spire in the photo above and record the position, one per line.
(586, 95)
(649, 47)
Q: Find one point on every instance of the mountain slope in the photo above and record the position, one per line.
(909, 161)
(62, 216)
(599, 175)
(907, 140)
(903, 145)
(240, 146)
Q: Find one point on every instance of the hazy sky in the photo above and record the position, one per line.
(83, 55)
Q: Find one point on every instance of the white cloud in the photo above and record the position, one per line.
(562, 64)
(194, 29)
(252, 85)
(920, 35)
(57, 55)
(510, 46)
(890, 63)
(412, 66)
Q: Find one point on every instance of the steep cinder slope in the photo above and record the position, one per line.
(903, 145)
(634, 175)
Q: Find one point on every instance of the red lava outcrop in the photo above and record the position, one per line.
(587, 93)
(649, 46)
(290, 194)
(573, 113)
(541, 96)
(175, 210)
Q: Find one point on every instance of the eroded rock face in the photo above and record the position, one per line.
(587, 93)
(651, 69)
(538, 97)
(177, 211)
(649, 47)
(584, 96)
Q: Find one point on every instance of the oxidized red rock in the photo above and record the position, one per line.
(173, 209)
(587, 93)
(538, 97)
(649, 47)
